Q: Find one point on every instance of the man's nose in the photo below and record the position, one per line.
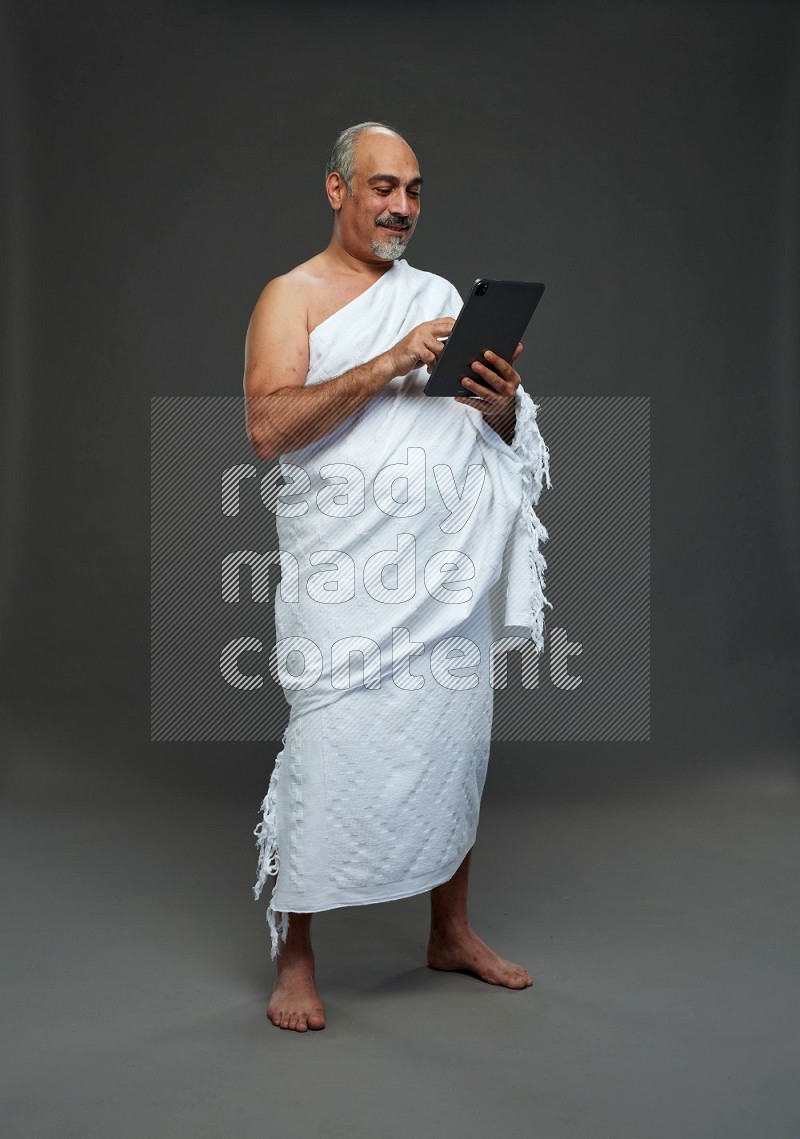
(400, 203)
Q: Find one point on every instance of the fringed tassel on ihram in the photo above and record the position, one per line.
(268, 856)
(530, 446)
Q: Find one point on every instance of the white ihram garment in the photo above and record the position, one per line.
(376, 791)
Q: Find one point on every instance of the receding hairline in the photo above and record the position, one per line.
(380, 130)
(342, 158)
(379, 177)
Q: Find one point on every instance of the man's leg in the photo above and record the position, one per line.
(295, 1001)
(454, 945)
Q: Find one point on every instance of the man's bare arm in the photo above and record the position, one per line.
(283, 415)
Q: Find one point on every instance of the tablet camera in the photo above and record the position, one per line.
(482, 288)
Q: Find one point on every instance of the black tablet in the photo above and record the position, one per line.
(494, 316)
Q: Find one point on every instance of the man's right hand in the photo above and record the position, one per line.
(421, 347)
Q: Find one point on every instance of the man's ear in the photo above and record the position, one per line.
(336, 189)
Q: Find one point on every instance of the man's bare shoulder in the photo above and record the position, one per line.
(311, 272)
(307, 275)
(284, 289)
(293, 291)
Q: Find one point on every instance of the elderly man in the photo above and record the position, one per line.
(375, 793)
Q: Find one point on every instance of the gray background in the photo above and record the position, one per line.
(161, 163)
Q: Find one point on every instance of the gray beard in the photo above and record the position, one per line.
(391, 249)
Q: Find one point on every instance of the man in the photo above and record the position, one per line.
(376, 790)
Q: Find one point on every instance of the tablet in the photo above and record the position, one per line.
(494, 316)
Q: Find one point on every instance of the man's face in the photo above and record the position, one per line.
(376, 222)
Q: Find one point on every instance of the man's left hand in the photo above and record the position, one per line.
(497, 402)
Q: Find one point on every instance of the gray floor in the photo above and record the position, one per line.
(653, 898)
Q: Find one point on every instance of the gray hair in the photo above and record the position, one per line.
(342, 157)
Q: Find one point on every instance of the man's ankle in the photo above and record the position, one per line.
(445, 928)
(296, 953)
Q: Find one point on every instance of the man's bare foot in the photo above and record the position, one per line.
(295, 1001)
(461, 949)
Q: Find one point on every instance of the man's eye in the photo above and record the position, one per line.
(413, 193)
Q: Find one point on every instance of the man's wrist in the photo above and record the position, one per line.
(504, 424)
(384, 367)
